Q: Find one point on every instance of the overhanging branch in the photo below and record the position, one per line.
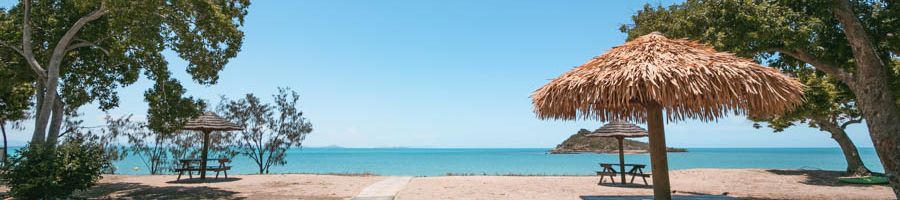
(820, 64)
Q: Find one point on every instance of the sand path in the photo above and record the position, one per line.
(384, 190)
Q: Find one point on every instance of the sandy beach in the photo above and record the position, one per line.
(274, 186)
(740, 183)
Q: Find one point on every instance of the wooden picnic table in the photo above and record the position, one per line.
(187, 165)
(610, 171)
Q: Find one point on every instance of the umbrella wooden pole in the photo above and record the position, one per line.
(203, 154)
(658, 160)
(622, 158)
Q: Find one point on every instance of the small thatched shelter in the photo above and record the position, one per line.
(620, 130)
(206, 124)
(639, 80)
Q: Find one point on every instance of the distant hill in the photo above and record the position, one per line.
(581, 143)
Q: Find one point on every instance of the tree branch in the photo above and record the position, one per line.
(27, 50)
(848, 123)
(52, 75)
(22, 53)
(820, 64)
(84, 43)
(62, 45)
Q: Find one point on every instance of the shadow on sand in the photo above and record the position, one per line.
(650, 197)
(208, 180)
(630, 185)
(140, 191)
(817, 177)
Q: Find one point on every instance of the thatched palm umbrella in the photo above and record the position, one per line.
(639, 80)
(207, 123)
(620, 130)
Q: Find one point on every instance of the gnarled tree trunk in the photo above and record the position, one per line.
(855, 165)
(874, 96)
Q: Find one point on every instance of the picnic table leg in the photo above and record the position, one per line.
(613, 178)
(179, 175)
(611, 174)
(226, 173)
(643, 177)
(633, 173)
(601, 177)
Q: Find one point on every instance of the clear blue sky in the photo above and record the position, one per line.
(436, 73)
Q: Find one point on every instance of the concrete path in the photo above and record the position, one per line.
(383, 190)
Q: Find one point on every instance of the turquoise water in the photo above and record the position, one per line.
(437, 162)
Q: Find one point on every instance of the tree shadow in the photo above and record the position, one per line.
(817, 177)
(649, 197)
(629, 185)
(140, 191)
(198, 180)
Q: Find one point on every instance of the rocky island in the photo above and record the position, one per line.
(581, 143)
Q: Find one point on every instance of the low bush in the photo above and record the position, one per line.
(40, 172)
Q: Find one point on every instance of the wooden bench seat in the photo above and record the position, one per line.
(216, 168)
(599, 173)
(638, 174)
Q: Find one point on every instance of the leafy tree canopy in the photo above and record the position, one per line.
(126, 40)
(759, 29)
(787, 35)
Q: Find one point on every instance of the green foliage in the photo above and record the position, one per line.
(93, 47)
(39, 172)
(759, 28)
(15, 94)
(131, 37)
(827, 101)
(269, 129)
(168, 109)
(765, 30)
(15, 89)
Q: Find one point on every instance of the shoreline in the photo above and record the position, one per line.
(740, 183)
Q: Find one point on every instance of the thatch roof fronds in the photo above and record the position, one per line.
(209, 121)
(687, 79)
(619, 128)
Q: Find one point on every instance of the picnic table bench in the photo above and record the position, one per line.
(610, 171)
(187, 165)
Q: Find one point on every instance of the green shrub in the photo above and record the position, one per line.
(40, 172)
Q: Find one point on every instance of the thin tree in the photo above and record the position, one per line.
(269, 129)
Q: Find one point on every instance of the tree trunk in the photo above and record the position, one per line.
(875, 98)
(46, 106)
(855, 165)
(38, 136)
(55, 122)
(4, 154)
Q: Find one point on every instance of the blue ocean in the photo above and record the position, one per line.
(524, 161)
